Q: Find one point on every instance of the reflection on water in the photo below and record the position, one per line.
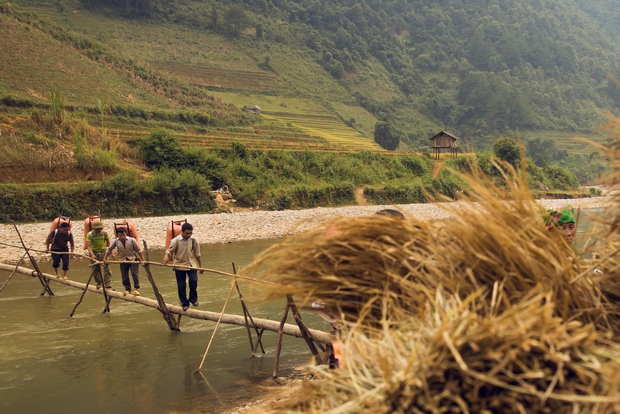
(128, 361)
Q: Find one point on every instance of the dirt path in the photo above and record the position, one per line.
(359, 197)
(437, 166)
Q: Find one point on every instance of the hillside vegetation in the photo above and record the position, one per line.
(477, 68)
(84, 83)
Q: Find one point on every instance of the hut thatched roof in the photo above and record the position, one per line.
(443, 133)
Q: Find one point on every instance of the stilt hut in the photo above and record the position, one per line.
(444, 140)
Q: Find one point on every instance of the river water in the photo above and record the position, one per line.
(128, 361)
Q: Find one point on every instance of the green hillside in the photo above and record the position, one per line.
(479, 70)
(147, 111)
(83, 82)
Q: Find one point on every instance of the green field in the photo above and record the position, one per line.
(32, 62)
(574, 143)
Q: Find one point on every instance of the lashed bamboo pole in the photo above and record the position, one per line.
(266, 324)
(45, 251)
(219, 272)
(246, 311)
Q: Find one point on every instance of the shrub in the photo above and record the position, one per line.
(206, 163)
(417, 165)
(161, 149)
(561, 178)
(507, 149)
(396, 194)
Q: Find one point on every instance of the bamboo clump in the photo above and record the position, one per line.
(485, 312)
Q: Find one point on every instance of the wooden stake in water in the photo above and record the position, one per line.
(246, 315)
(11, 275)
(305, 332)
(107, 298)
(161, 303)
(232, 287)
(276, 363)
(84, 292)
(46, 284)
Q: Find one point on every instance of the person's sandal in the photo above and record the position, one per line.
(136, 293)
(185, 308)
(126, 293)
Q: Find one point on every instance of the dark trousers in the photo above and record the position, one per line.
(181, 284)
(125, 267)
(56, 258)
(107, 275)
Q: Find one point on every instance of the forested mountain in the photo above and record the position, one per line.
(476, 67)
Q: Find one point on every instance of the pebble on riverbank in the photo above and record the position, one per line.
(233, 227)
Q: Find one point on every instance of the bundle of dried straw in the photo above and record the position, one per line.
(522, 360)
(527, 327)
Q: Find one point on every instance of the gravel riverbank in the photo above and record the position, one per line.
(233, 227)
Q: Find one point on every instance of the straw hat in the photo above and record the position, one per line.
(98, 225)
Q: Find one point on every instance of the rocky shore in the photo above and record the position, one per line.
(233, 227)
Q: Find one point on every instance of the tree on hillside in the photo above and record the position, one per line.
(236, 17)
(545, 151)
(215, 17)
(337, 70)
(386, 136)
(507, 149)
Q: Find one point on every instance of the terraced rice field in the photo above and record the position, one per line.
(327, 127)
(266, 136)
(576, 143)
(225, 78)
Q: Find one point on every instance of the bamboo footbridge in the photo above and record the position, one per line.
(315, 339)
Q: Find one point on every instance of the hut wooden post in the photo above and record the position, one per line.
(161, 303)
(12, 273)
(46, 284)
(84, 292)
(246, 315)
(305, 332)
(276, 362)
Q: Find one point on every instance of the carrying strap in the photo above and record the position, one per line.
(56, 234)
